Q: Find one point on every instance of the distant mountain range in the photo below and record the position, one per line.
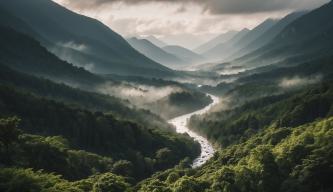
(78, 39)
(225, 50)
(305, 38)
(171, 56)
(155, 53)
(297, 37)
(185, 54)
(216, 41)
(270, 34)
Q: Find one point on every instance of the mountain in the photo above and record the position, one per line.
(22, 53)
(215, 41)
(84, 38)
(156, 41)
(252, 36)
(155, 53)
(306, 38)
(270, 34)
(225, 48)
(226, 51)
(185, 54)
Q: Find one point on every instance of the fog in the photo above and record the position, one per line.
(299, 81)
(70, 52)
(138, 94)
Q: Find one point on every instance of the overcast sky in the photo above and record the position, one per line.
(185, 22)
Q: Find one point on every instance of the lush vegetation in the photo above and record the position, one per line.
(238, 124)
(78, 98)
(179, 103)
(274, 159)
(97, 132)
(274, 129)
(27, 55)
(289, 150)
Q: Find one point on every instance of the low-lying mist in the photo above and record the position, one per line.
(297, 81)
(72, 53)
(137, 94)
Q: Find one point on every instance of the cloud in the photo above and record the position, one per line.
(137, 94)
(213, 6)
(188, 23)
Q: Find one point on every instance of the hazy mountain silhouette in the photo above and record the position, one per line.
(185, 54)
(155, 53)
(215, 41)
(224, 49)
(270, 34)
(92, 41)
(307, 37)
(252, 36)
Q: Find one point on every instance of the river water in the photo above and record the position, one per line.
(180, 123)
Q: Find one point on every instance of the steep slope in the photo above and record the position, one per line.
(273, 144)
(224, 49)
(215, 41)
(270, 34)
(155, 53)
(76, 97)
(95, 131)
(185, 54)
(305, 38)
(24, 54)
(252, 36)
(227, 51)
(96, 43)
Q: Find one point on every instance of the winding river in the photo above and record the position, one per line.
(207, 149)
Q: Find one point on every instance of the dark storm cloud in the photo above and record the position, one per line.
(217, 6)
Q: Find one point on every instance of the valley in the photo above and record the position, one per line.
(124, 96)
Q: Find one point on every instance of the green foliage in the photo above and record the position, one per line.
(299, 159)
(17, 180)
(179, 103)
(94, 132)
(78, 98)
(289, 110)
(27, 55)
(123, 167)
(110, 183)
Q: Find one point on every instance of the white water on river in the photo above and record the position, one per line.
(207, 149)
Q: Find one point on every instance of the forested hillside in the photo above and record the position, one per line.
(25, 54)
(78, 39)
(83, 111)
(274, 159)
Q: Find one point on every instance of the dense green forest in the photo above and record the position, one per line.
(95, 131)
(179, 103)
(64, 128)
(275, 143)
(276, 155)
(39, 61)
(291, 109)
(274, 159)
(45, 88)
